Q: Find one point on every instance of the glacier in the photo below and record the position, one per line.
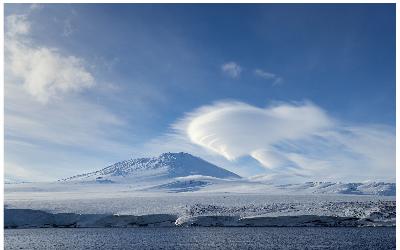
(178, 189)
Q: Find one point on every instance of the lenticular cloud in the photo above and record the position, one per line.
(300, 138)
(235, 129)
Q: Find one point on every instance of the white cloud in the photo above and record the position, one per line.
(231, 128)
(268, 76)
(231, 69)
(35, 6)
(68, 29)
(45, 73)
(297, 139)
(17, 25)
(264, 74)
(46, 118)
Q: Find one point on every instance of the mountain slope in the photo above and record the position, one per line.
(167, 165)
(354, 188)
(182, 172)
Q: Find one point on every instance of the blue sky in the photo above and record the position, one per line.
(146, 72)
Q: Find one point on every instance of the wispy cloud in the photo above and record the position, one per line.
(268, 76)
(16, 172)
(75, 122)
(44, 72)
(44, 106)
(35, 6)
(295, 139)
(68, 28)
(17, 25)
(231, 69)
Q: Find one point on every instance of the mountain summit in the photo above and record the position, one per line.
(167, 165)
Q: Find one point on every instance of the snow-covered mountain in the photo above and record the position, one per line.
(183, 172)
(356, 188)
(165, 166)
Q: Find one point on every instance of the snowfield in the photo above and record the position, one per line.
(183, 190)
(98, 208)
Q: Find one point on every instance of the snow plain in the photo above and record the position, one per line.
(161, 192)
(119, 205)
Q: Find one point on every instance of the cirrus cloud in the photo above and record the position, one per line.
(268, 76)
(231, 69)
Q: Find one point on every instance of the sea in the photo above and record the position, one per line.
(202, 238)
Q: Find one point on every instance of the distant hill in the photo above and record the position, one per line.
(356, 188)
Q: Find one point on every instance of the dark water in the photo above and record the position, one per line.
(202, 238)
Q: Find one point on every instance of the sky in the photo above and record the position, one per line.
(277, 92)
